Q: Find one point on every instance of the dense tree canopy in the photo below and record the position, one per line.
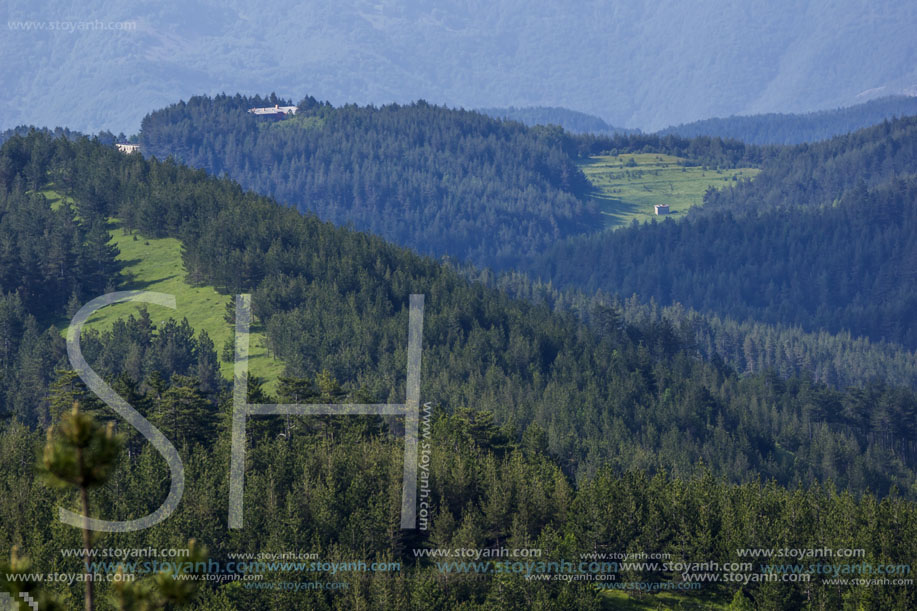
(822, 239)
(843, 268)
(437, 180)
(820, 174)
(630, 396)
(547, 433)
(753, 274)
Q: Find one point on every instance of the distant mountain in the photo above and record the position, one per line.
(309, 160)
(636, 64)
(820, 174)
(822, 239)
(795, 129)
(438, 180)
(571, 120)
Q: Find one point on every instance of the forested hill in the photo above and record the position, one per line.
(822, 238)
(837, 359)
(440, 181)
(334, 300)
(216, 133)
(571, 120)
(437, 180)
(544, 432)
(819, 174)
(22, 130)
(778, 128)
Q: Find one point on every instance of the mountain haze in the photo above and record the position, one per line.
(571, 120)
(646, 65)
(780, 128)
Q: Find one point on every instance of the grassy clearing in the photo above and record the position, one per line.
(156, 265)
(57, 200)
(626, 187)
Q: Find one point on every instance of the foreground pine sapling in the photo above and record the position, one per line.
(81, 453)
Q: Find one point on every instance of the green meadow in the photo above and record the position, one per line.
(56, 199)
(155, 265)
(626, 187)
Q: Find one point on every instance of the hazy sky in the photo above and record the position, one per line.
(99, 64)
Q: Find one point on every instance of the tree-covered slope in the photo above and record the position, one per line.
(203, 124)
(836, 359)
(335, 300)
(543, 430)
(779, 128)
(819, 174)
(847, 267)
(437, 180)
(571, 120)
(821, 238)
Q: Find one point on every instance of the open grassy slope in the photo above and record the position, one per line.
(628, 186)
(56, 199)
(156, 265)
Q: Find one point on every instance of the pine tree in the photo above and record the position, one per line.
(184, 414)
(81, 453)
(68, 389)
(208, 368)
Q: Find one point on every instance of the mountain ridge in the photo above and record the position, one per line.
(785, 128)
(644, 65)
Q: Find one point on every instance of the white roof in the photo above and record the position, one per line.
(273, 110)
